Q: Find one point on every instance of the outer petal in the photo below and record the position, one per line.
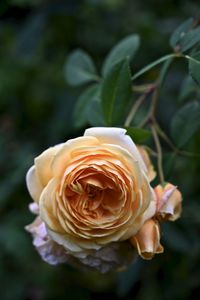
(169, 202)
(33, 184)
(49, 251)
(43, 164)
(147, 240)
(63, 155)
(143, 217)
(48, 212)
(150, 169)
(117, 136)
(34, 208)
(73, 245)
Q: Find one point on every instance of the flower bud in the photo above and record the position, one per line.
(147, 240)
(169, 202)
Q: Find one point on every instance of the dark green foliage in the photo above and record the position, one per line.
(194, 67)
(116, 93)
(79, 68)
(138, 135)
(185, 123)
(124, 49)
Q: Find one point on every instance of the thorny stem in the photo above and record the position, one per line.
(143, 88)
(134, 109)
(150, 117)
(147, 90)
(159, 152)
(152, 109)
(163, 135)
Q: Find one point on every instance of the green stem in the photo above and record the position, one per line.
(143, 88)
(134, 109)
(152, 108)
(163, 135)
(155, 63)
(159, 153)
(192, 59)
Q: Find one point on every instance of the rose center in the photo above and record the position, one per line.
(92, 191)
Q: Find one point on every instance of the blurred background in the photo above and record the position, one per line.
(36, 111)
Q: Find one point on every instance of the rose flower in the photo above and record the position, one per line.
(92, 195)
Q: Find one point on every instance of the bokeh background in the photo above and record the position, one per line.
(36, 111)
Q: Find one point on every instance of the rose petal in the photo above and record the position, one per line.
(50, 252)
(63, 155)
(150, 168)
(169, 202)
(34, 208)
(43, 164)
(117, 136)
(147, 240)
(33, 184)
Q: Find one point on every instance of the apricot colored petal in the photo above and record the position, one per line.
(63, 156)
(33, 184)
(142, 217)
(117, 136)
(48, 206)
(150, 168)
(169, 202)
(43, 164)
(147, 240)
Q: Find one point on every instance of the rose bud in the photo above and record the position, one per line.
(169, 202)
(147, 240)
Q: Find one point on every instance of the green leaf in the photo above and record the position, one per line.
(180, 32)
(95, 113)
(190, 39)
(188, 88)
(116, 93)
(185, 123)
(194, 67)
(81, 107)
(125, 48)
(138, 135)
(164, 71)
(79, 68)
(169, 161)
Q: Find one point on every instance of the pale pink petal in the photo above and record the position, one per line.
(34, 208)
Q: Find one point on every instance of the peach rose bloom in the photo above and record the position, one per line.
(169, 202)
(92, 191)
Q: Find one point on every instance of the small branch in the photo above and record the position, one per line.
(154, 63)
(134, 109)
(159, 152)
(163, 135)
(152, 109)
(143, 88)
